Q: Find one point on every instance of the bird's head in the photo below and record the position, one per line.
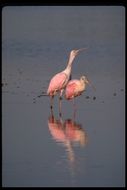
(84, 79)
(75, 52)
(87, 81)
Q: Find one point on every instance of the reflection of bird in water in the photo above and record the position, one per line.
(75, 133)
(68, 133)
(60, 80)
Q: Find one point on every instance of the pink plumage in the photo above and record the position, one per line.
(57, 83)
(75, 87)
(71, 89)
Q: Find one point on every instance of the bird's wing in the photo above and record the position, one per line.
(70, 90)
(57, 82)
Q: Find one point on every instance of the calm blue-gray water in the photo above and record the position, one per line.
(82, 148)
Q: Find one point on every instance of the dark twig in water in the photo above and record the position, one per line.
(43, 94)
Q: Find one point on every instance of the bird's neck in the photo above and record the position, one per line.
(83, 83)
(68, 70)
(70, 61)
(69, 65)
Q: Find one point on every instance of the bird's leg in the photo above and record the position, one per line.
(51, 102)
(60, 98)
(52, 112)
(74, 103)
(74, 108)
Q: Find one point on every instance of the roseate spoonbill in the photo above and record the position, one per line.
(76, 87)
(60, 80)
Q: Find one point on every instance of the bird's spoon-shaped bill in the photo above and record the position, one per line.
(89, 82)
(82, 49)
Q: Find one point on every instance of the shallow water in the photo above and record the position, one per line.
(85, 148)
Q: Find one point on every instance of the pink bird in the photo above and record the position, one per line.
(75, 88)
(60, 80)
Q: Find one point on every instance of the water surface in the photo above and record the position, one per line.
(81, 149)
